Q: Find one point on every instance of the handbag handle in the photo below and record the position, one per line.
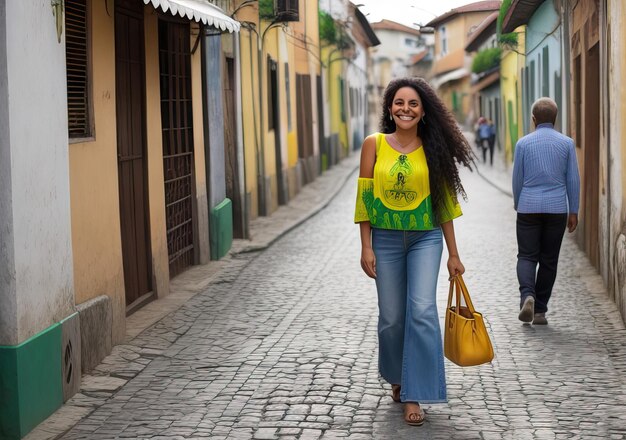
(461, 289)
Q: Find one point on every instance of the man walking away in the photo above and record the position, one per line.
(546, 190)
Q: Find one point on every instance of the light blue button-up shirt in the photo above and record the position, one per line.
(545, 173)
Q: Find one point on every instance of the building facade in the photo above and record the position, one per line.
(452, 66)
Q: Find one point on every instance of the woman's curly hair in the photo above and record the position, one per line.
(444, 144)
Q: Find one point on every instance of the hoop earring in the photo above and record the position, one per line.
(390, 117)
(424, 119)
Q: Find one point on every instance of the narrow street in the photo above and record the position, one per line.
(283, 345)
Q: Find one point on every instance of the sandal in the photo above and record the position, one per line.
(414, 418)
(395, 393)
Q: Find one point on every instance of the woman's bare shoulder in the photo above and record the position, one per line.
(370, 141)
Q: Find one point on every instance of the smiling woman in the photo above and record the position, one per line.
(406, 201)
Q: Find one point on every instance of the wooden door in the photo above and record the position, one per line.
(233, 190)
(591, 190)
(130, 91)
(177, 135)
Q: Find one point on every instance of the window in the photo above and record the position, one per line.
(77, 64)
(444, 40)
(410, 42)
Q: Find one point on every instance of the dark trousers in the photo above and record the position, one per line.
(539, 238)
(487, 145)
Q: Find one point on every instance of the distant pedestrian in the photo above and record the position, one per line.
(546, 188)
(483, 133)
(407, 196)
(491, 140)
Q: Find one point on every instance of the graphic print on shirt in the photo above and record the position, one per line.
(399, 196)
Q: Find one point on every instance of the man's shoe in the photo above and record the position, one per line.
(540, 319)
(527, 311)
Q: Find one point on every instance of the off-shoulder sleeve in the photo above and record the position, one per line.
(364, 198)
(451, 208)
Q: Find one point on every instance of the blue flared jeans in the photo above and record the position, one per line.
(409, 335)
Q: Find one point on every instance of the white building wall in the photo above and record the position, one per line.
(37, 285)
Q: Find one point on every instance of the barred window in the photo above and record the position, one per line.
(77, 62)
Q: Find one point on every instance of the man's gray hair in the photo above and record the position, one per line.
(544, 110)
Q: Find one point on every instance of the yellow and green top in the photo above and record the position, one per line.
(398, 197)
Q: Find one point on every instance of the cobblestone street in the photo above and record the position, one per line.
(282, 344)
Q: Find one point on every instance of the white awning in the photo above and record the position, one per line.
(197, 10)
(440, 80)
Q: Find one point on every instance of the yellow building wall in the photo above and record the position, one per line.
(250, 115)
(510, 87)
(291, 112)
(96, 237)
(201, 229)
(313, 43)
(94, 186)
(312, 36)
(248, 47)
(271, 48)
(283, 46)
(454, 59)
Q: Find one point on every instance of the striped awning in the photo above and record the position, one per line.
(197, 10)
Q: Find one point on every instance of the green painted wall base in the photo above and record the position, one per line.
(221, 229)
(30, 382)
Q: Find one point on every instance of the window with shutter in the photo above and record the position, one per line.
(286, 10)
(77, 60)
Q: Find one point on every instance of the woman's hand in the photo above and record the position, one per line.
(368, 262)
(455, 267)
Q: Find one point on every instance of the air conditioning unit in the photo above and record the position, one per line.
(286, 10)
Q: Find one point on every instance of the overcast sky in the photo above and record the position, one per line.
(407, 12)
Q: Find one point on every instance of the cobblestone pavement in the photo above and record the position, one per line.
(282, 344)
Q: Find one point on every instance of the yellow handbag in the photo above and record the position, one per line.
(466, 341)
